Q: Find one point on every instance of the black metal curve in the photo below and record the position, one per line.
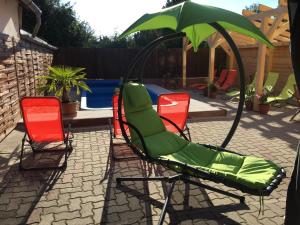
(145, 52)
(242, 82)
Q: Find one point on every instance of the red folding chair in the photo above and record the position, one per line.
(218, 83)
(115, 130)
(43, 123)
(222, 77)
(175, 107)
(230, 80)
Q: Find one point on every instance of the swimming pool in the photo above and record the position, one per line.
(103, 90)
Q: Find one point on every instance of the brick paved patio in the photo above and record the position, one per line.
(81, 195)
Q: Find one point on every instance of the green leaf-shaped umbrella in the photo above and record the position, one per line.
(193, 19)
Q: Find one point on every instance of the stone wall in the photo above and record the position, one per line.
(21, 62)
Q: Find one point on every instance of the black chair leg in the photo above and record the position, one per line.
(295, 114)
(167, 201)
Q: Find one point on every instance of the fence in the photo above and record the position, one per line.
(112, 63)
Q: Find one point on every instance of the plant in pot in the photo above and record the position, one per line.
(212, 90)
(60, 82)
(264, 106)
(249, 95)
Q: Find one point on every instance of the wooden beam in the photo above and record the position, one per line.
(263, 8)
(281, 29)
(282, 39)
(218, 40)
(270, 59)
(210, 39)
(211, 67)
(189, 46)
(273, 12)
(274, 26)
(260, 68)
(247, 13)
(184, 60)
(230, 61)
(226, 48)
(282, 3)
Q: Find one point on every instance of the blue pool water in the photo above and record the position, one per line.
(103, 90)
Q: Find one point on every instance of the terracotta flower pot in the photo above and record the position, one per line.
(264, 108)
(69, 108)
(212, 94)
(249, 105)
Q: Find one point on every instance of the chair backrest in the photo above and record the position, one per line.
(271, 81)
(253, 83)
(139, 111)
(117, 129)
(288, 89)
(222, 77)
(43, 119)
(231, 77)
(174, 106)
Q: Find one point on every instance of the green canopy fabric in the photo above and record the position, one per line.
(193, 19)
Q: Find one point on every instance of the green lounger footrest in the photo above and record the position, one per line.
(247, 173)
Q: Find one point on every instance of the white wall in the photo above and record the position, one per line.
(9, 17)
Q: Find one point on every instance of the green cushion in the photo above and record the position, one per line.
(147, 127)
(190, 155)
(137, 97)
(250, 171)
(139, 112)
(163, 143)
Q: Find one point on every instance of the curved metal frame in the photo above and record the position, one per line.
(145, 53)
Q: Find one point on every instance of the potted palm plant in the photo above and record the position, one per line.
(249, 95)
(264, 106)
(60, 82)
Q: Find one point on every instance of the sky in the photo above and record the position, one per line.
(107, 17)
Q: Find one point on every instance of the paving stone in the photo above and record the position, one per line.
(35, 216)
(80, 221)
(79, 196)
(67, 215)
(47, 219)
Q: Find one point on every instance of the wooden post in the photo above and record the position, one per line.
(184, 51)
(211, 68)
(260, 68)
(270, 60)
(230, 61)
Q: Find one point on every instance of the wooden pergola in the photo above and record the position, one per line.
(273, 22)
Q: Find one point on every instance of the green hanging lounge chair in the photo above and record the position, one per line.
(153, 143)
(287, 91)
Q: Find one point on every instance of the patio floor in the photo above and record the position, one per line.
(81, 195)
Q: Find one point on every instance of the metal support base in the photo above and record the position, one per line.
(172, 180)
(67, 151)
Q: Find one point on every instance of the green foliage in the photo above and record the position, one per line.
(249, 93)
(60, 26)
(253, 7)
(61, 80)
(263, 99)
